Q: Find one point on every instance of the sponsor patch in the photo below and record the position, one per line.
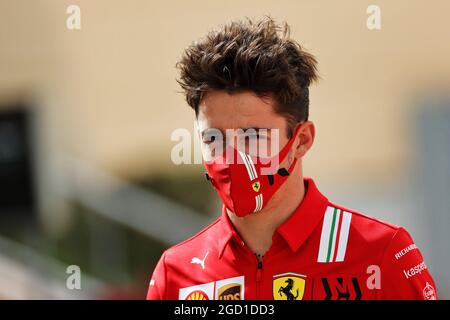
(340, 288)
(404, 251)
(226, 289)
(417, 269)
(197, 295)
(230, 289)
(199, 292)
(428, 292)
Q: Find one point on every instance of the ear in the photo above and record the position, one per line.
(304, 139)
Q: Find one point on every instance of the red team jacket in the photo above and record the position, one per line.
(323, 251)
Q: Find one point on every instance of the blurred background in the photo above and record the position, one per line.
(86, 117)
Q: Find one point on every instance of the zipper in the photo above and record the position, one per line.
(259, 270)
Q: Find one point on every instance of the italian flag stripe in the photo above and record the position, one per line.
(334, 236)
(259, 202)
(247, 165)
(343, 239)
(339, 228)
(325, 235)
(252, 166)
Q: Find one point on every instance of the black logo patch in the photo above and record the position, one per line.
(340, 289)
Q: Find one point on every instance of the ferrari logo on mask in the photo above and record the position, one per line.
(256, 186)
(288, 286)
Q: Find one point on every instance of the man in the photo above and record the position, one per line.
(278, 237)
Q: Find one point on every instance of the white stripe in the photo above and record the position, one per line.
(244, 159)
(289, 273)
(252, 166)
(343, 236)
(336, 225)
(258, 200)
(325, 236)
(257, 204)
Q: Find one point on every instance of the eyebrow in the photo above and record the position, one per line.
(257, 129)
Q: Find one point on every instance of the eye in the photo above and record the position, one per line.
(257, 135)
(211, 135)
(209, 139)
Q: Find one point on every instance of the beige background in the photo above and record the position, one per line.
(111, 98)
(107, 95)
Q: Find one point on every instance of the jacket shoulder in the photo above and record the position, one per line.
(203, 238)
(368, 230)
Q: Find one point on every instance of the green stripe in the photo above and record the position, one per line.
(248, 167)
(330, 243)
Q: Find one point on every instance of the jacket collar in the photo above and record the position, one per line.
(295, 230)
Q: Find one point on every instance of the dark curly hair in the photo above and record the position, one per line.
(251, 56)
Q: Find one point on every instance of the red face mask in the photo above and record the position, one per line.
(244, 185)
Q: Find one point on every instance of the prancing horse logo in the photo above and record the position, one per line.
(289, 286)
(256, 185)
(287, 290)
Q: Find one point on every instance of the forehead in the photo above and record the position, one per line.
(223, 110)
